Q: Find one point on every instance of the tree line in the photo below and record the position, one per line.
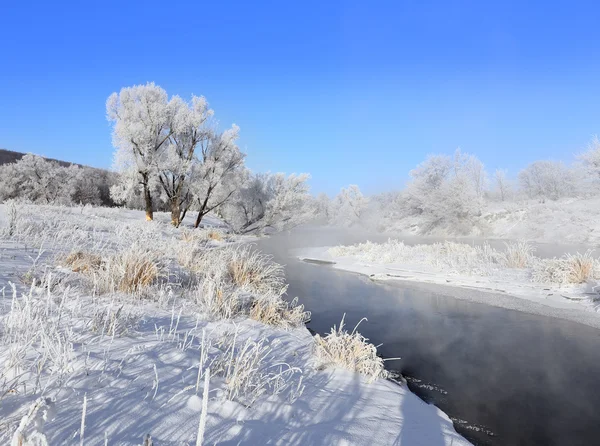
(451, 191)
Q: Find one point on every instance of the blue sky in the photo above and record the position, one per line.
(350, 91)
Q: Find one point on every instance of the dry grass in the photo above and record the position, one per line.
(569, 269)
(218, 300)
(243, 281)
(213, 234)
(243, 267)
(81, 262)
(254, 271)
(129, 271)
(193, 235)
(188, 236)
(351, 351)
(457, 257)
(273, 310)
(518, 255)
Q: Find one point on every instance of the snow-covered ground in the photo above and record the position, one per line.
(85, 358)
(542, 285)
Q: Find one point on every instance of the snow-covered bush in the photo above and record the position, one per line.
(13, 218)
(351, 351)
(219, 299)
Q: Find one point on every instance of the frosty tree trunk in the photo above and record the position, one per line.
(148, 201)
(203, 205)
(199, 218)
(147, 197)
(175, 212)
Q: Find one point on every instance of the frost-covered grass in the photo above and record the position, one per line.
(514, 269)
(459, 257)
(351, 351)
(569, 269)
(478, 260)
(75, 334)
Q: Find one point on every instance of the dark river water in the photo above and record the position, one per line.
(505, 377)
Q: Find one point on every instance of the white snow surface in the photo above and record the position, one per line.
(144, 380)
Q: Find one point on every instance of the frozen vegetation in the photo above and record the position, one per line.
(116, 330)
(547, 201)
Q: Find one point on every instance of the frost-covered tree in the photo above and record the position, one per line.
(218, 173)
(472, 170)
(176, 164)
(348, 206)
(269, 201)
(591, 158)
(547, 180)
(36, 179)
(85, 186)
(502, 183)
(323, 207)
(142, 117)
(443, 192)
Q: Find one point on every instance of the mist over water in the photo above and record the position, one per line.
(529, 379)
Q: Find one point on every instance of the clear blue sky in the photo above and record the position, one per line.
(350, 91)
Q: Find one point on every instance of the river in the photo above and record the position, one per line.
(505, 377)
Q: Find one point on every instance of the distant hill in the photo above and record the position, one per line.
(8, 156)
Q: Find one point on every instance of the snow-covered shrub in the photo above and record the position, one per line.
(569, 269)
(129, 271)
(254, 271)
(351, 351)
(518, 255)
(215, 234)
(242, 280)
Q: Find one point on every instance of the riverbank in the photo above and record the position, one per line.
(508, 289)
(133, 360)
